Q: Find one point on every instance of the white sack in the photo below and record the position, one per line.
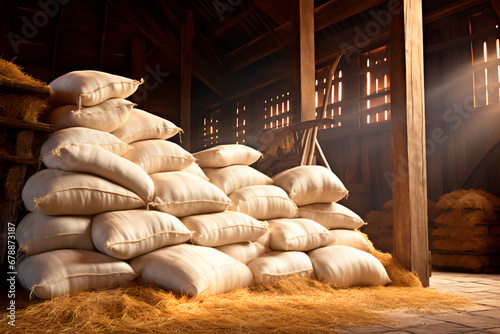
(275, 266)
(157, 156)
(311, 184)
(235, 177)
(195, 170)
(95, 160)
(88, 88)
(60, 272)
(346, 266)
(298, 234)
(226, 155)
(37, 233)
(142, 125)
(191, 270)
(128, 234)
(350, 238)
(71, 136)
(106, 116)
(184, 194)
(244, 252)
(217, 229)
(263, 202)
(55, 192)
(332, 215)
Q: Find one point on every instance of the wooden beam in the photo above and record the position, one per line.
(278, 10)
(303, 69)
(56, 39)
(496, 6)
(409, 176)
(451, 9)
(229, 20)
(187, 34)
(324, 16)
(150, 25)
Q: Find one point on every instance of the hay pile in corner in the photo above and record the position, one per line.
(379, 224)
(25, 107)
(297, 305)
(467, 232)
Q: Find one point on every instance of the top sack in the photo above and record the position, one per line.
(227, 155)
(89, 88)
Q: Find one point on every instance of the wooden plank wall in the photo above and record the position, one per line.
(360, 153)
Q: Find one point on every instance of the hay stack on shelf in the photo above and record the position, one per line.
(466, 235)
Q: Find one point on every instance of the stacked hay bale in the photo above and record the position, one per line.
(109, 165)
(465, 236)
(18, 143)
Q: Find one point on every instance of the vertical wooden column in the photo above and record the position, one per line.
(408, 139)
(187, 33)
(303, 60)
(138, 69)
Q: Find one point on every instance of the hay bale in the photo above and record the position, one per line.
(467, 263)
(462, 200)
(20, 106)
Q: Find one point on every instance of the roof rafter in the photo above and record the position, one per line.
(168, 42)
(324, 16)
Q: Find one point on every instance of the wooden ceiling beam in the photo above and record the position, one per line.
(496, 6)
(168, 42)
(326, 51)
(324, 16)
(278, 10)
(451, 9)
(230, 19)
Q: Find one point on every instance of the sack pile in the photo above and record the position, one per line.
(118, 200)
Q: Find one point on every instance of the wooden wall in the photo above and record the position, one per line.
(463, 149)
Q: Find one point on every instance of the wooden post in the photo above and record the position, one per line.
(408, 138)
(187, 32)
(303, 60)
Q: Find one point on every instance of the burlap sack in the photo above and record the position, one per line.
(52, 274)
(345, 266)
(37, 233)
(130, 233)
(217, 229)
(191, 270)
(55, 192)
(89, 88)
(235, 177)
(311, 184)
(275, 266)
(106, 116)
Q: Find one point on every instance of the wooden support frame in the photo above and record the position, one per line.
(408, 139)
(304, 71)
(186, 56)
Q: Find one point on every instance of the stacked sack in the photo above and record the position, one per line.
(255, 194)
(118, 200)
(325, 235)
(90, 194)
(204, 265)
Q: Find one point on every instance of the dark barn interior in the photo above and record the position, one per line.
(412, 109)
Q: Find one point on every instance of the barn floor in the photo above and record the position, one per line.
(483, 289)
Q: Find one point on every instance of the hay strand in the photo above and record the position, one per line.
(20, 106)
(297, 305)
